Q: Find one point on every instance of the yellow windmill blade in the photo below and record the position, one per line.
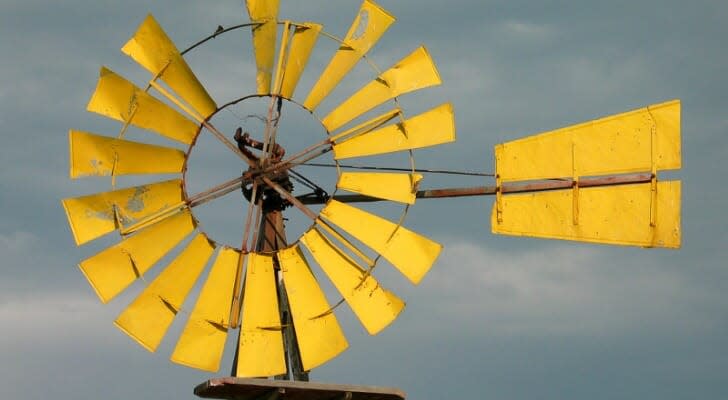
(302, 43)
(431, 128)
(412, 254)
(318, 333)
(95, 155)
(264, 12)
(622, 143)
(112, 270)
(638, 214)
(375, 306)
(203, 339)
(369, 25)
(148, 318)
(260, 349)
(119, 99)
(366, 126)
(414, 72)
(610, 215)
(152, 49)
(95, 215)
(401, 188)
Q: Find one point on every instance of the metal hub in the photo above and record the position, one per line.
(271, 199)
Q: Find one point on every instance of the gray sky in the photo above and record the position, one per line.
(497, 317)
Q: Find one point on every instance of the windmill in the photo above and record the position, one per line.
(593, 182)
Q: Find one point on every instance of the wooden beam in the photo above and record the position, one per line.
(255, 389)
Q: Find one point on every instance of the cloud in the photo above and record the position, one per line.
(561, 289)
(526, 30)
(16, 242)
(74, 317)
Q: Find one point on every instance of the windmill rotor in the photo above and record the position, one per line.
(593, 182)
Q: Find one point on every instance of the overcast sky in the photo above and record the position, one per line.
(498, 317)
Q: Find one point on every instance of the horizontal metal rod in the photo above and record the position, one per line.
(429, 171)
(507, 188)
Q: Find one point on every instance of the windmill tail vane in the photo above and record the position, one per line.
(592, 182)
(640, 213)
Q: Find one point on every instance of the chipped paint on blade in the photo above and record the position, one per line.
(148, 318)
(112, 270)
(260, 350)
(401, 188)
(375, 306)
(96, 215)
(431, 128)
(369, 25)
(318, 333)
(152, 49)
(203, 340)
(618, 215)
(302, 44)
(95, 155)
(412, 254)
(414, 72)
(617, 144)
(264, 12)
(119, 99)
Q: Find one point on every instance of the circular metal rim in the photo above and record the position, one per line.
(371, 64)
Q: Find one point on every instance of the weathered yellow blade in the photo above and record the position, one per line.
(264, 12)
(375, 306)
(318, 333)
(203, 339)
(147, 319)
(117, 98)
(112, 270)
(613, 215)
(622, 143)
(302, 43)
(369, 25)
(95, 215)
(416, 71)
(153, 50)
(367, 126)
(431, 128)
(95, 155)
(412, 254)
(260, 350)
(389, 186)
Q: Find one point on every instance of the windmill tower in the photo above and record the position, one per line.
(593, 182)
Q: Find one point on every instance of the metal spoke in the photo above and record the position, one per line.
(200, 198)
(312, 215)
(219, 135)
(271, 127)
(237, 287)
(216, 192)
(228, 143)
(292, 199)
